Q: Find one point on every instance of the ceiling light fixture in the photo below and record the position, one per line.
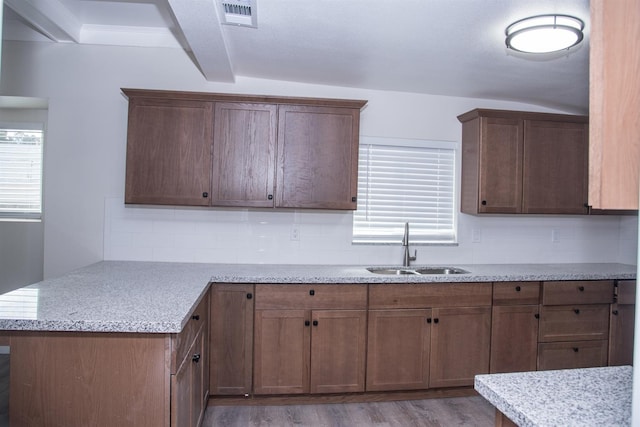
(544, 33)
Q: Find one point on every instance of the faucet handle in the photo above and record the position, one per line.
(415, 256)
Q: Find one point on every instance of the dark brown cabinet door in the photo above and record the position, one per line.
(338, 351)
(500, 165)
(398, 350)
(555, 167)
(514, 338)
(282, 342)
(460, 339)
(621, 334)
(231, 345)
(244, 155)
(169, 152)
(317, 163)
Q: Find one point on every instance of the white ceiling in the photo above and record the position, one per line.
(440, 47)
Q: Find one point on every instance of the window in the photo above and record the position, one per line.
(21, 170)
(406, 181)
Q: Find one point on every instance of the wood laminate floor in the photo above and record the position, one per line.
(460, 411)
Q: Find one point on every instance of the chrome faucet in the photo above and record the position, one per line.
(406, 261)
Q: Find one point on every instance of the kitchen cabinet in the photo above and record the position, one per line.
(622, 322)
(574, 324)
(614, 104)
(231, 343)
(317, 157)
(309, 339)
(524, 163)
(244, 154)
(168, 151)
(427, 336)
(188, 148)
(78, 379)
(514, 326)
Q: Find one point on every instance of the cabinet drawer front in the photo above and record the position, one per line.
(626, 291)
(573, 354)
(425, 295)
(577, 292)
(311, 296)
(578, 322)
(182, 341)
(510, 293)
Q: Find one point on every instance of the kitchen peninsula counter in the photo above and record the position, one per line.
(569, 397)
(156, 297)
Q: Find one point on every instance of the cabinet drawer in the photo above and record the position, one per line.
(311, 297)
(425, 295)
(572, 354)
(512, 293)
(182, 342)
(571, 323)
(626, 291)
(577, 292)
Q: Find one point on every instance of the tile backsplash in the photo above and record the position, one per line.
(146, 233)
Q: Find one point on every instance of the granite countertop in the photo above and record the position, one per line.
(570, 397)
(156, 297)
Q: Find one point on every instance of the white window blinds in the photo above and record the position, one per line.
(405, 181)
(21, 171)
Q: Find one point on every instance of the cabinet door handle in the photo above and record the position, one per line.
(205, 194)
(196, 358)
(315, 323)
(249, 295)
(581, 288)
(270, 197)
(615, 312)
(484, 203)
(428, 319)
(576, 310)
(575, 349)
(307, 323)
(537, 315)
(436, 320)
(196, 317)
(312, 292)
(354, 199)
(518, 288)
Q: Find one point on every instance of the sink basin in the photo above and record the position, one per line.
(397, 271)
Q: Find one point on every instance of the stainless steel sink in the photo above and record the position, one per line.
(397, 271)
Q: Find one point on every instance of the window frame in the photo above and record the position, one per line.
(456, 147)
(24, 216)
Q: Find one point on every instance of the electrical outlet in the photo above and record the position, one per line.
(295, 232)
(555, 236)
(476, 235)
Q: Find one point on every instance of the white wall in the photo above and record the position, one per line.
(84, 180)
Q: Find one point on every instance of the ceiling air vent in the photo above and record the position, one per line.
(239, 12)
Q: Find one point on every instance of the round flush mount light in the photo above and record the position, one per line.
(544, 33)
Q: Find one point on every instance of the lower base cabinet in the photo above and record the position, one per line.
(514, 338)
(572, 354)
(622, 321)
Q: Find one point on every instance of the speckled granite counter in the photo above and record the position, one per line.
(126, 296)
(571, 397)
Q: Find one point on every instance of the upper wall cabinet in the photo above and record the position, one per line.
(614, 104)
(205, 149)
(519, 162)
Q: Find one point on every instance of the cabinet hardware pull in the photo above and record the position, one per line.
(196, 358)
(436, 320)
(575, 349)
(428, 319)
(205, 194)
(576, 311)
(537, 315)
(249, 295)
(581, 288)
(315, 323)
(354, 199)
(518, 288)
(196, 317)
(270, 197)
(312, 292)
(615, 312)
(307, 323)
(484, 203)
